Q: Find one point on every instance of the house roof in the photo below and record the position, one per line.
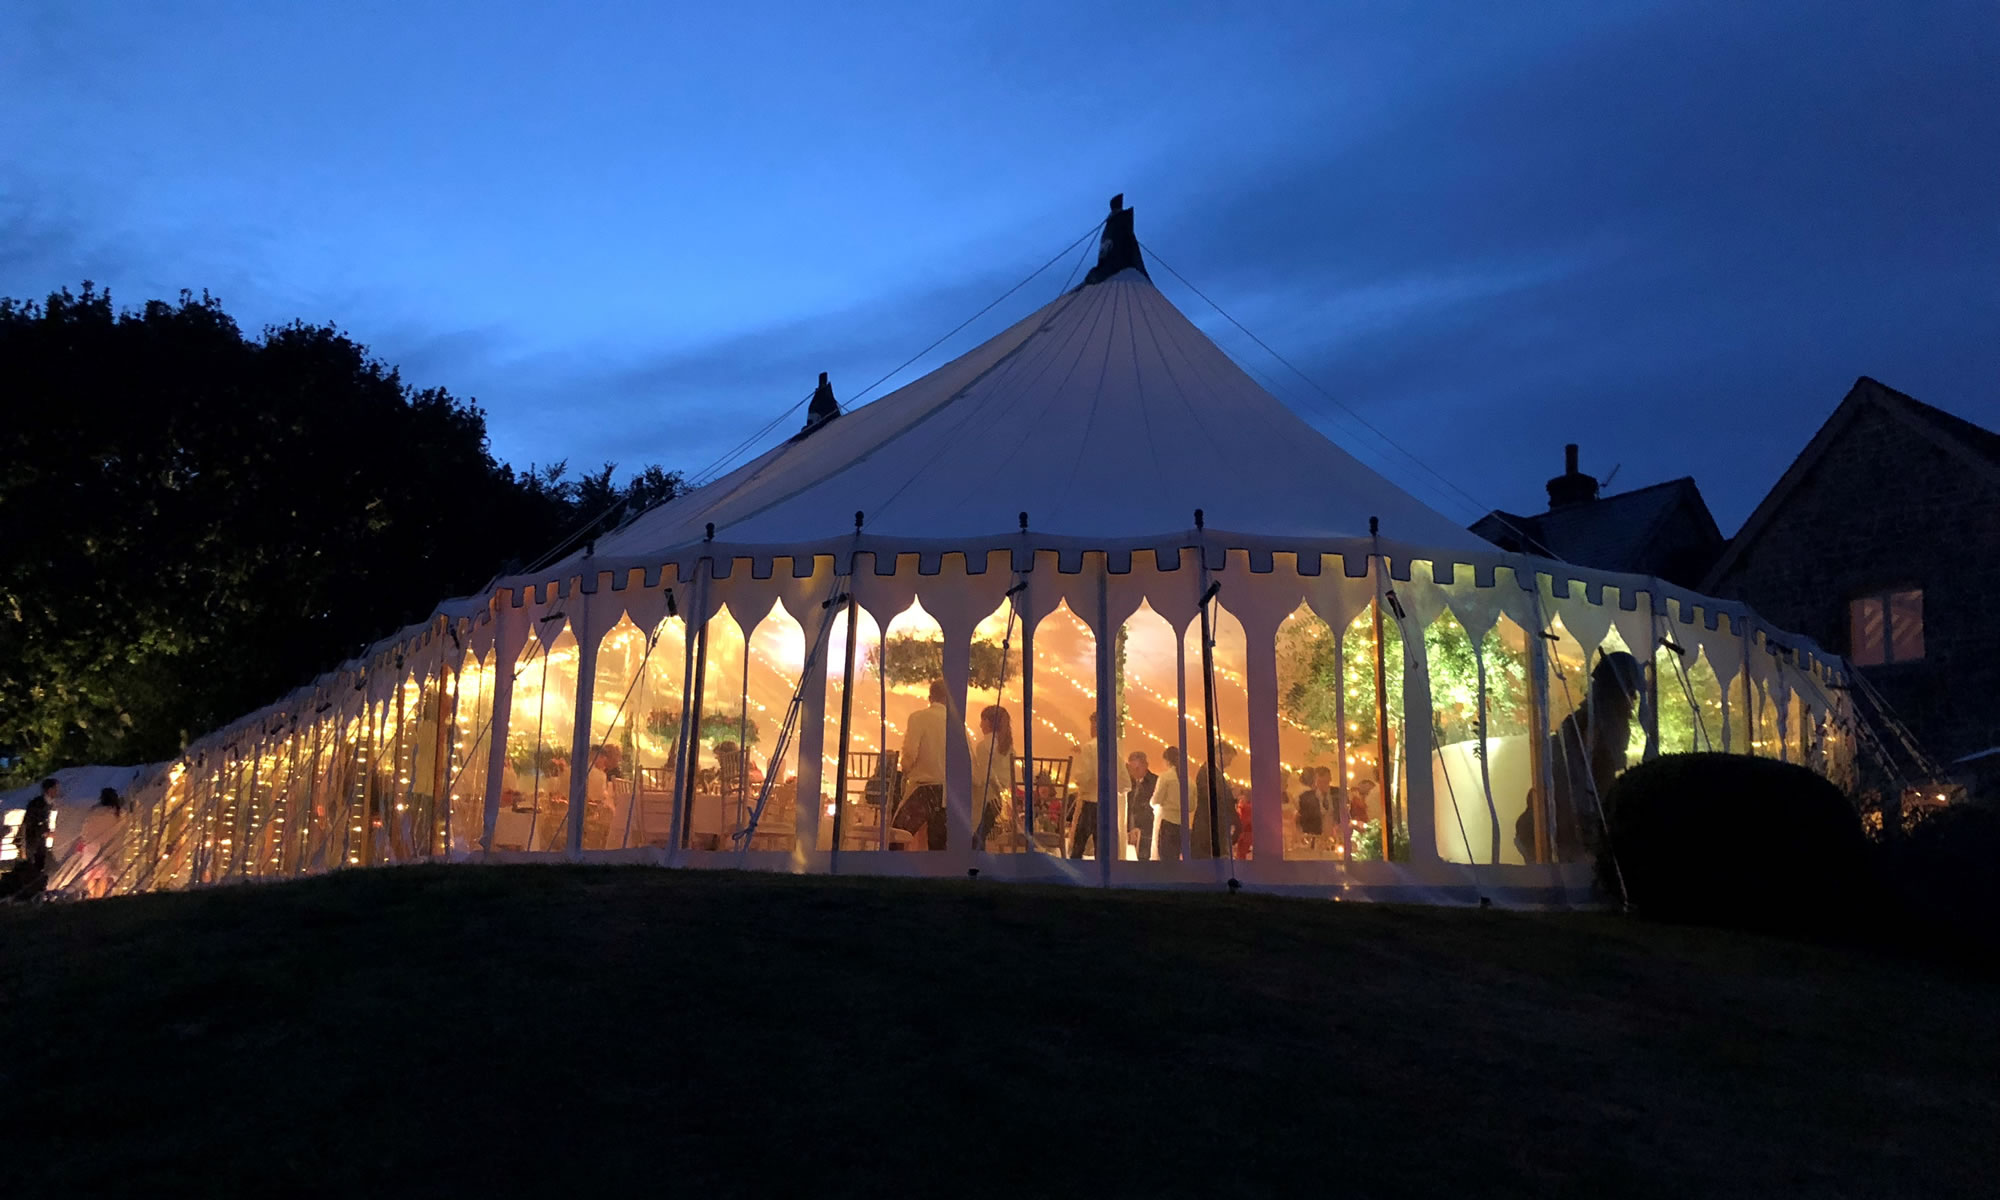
(1978, 447)
(1106, 414)
(1612, 533)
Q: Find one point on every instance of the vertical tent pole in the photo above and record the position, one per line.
(692, 713)
(846, 719)
(1031, 778)
(1542, 771)
(507, 642)
(1485, 747)
(1110, 830)
(684, 732)
(581, 756)
(1210, 769)
(249, 811)
(1343, 814)
(392, 821)
(892, 796)
(446, 722)
(1386, 803)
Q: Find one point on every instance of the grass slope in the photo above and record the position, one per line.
(576, 1030)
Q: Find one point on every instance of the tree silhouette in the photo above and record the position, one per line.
(196, 521)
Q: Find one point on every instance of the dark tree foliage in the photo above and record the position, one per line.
(192, 522)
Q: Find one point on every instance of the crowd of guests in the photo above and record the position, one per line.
(28, 875)
(1065, 801)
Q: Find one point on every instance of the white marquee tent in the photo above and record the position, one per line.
(1094, 515)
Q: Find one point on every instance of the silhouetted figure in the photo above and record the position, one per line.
(30, 872)
(1216, 826)
(992, 768)
(1586, 753)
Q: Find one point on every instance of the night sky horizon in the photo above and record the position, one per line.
(1674, 233)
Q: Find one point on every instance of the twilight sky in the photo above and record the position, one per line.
(1674, 233)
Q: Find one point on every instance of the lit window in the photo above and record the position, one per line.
(1887, 627)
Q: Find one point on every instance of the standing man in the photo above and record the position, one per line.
(922, 811)
(1084, 777)
(1215, 820)
(1139, 815)
(30, 872)
(1167, 803)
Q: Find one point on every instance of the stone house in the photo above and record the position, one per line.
(1882, 542)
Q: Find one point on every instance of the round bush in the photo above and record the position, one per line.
(1946, 871)
(1733, 840)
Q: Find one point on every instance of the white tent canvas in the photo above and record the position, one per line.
(738, 677)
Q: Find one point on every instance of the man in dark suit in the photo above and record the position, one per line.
(1139, 784)
(1216, 824)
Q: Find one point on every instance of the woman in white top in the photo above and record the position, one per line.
(992, 769)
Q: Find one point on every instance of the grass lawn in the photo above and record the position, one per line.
(581, 1031)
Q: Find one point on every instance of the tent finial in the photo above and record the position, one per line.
(1118, 249)
(824, 408)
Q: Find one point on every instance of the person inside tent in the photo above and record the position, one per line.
(597, 798)
(992, 769)
(1140, 784)
(1167, 806)
(30, 872)
(1083, 780)
(1312, 805)
(1215, 825)
(1586, 753)
(922, 812)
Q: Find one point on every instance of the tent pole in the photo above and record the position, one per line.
(684, 732)
(1386, 801)
(1110, 830)
(846, 723)
(440, 756)
(693, 714)
(1344, 812)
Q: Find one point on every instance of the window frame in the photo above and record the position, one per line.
(1885, 653)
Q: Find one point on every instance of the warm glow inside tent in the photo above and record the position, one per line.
(1095, 515)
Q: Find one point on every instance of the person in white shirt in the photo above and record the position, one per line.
(1167, 804)
(597, 798)
(924, 741)
(1083, 778)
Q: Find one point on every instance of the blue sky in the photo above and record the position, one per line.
(1673, 233)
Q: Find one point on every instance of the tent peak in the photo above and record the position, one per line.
(1118, 249)
(824, 408)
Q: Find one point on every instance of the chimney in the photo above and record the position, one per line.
(1572, 486)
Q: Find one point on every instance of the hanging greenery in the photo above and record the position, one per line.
(908, 659)
(664, 724)
(1313, 680)
(1454, 674)
(528, 758)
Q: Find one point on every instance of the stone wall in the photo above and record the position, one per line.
(1887, 507)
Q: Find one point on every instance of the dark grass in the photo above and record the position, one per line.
(578, 1031)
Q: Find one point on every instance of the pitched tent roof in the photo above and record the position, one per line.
(1105, 415)
(1978, 447)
